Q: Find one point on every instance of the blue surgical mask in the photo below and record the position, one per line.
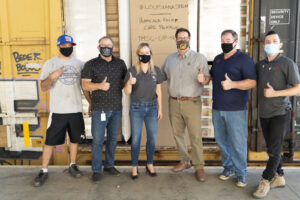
(272, 49)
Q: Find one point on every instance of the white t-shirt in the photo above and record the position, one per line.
(65, 92)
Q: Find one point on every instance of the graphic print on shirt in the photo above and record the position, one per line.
(153, 76)
(70, 76)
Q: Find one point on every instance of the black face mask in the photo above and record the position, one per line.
(183, 44)
(106, 51)
(227, 47)
(144, 58)
(66, 51)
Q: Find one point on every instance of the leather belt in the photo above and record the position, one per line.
(184, 98)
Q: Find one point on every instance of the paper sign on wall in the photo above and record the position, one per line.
(155, 22)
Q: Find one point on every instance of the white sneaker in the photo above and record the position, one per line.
(241, 181)
(277, 182)
(226, 174)
(262, 189)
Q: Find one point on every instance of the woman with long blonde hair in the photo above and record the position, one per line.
(143, 84)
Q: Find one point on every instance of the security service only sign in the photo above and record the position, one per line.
(279, 16)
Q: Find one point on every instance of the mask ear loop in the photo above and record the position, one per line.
(235, 45)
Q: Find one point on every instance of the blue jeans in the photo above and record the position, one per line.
(140, 112)
(112, 124)
(231, 132)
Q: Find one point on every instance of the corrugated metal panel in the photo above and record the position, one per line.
(28, 31)
(32, 25)
(112, 24)
(0, 33)
(1, 59)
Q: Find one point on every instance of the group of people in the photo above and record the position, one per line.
(233, 73)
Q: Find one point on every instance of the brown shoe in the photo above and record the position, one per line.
(200, 175)
(181, 166)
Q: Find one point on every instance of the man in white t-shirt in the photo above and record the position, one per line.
(61, 76)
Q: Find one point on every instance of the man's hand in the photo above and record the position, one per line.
(269, 92)
(201, 77)
(57, 73)
(104, 85)
(227, 84)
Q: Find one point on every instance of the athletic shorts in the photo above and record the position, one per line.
(59, 124)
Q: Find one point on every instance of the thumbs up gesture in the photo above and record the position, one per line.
(227, 84)
(104, 85)
(201, 77)
(269, 92)
(132, 80)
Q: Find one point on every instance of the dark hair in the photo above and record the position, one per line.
(271, 33)
(106, 37)
(182, 30)
(233, 33)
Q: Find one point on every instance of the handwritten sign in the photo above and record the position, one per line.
(279, 16)
(155, 22)
(27, 64)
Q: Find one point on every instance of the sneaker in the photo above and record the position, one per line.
(74, 171)
(112, 171)
(262, 189)
(277, 182)
(241, 181)
(226, 174)
(40, 179)
(96, 177)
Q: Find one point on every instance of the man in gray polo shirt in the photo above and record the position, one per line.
(278, 78)
(186, 72)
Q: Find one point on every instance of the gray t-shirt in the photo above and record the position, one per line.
(181, 73)
(281, 73)
(144, 90)
(65, 92)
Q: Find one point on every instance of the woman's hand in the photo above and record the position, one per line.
(159, 115)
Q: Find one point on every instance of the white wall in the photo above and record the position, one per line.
(216, 16)
(85, 22)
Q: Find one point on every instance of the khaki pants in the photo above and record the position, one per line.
(184, 114)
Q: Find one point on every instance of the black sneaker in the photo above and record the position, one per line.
(40, 179)
(96, 177)
(112, 171)
(74, 171)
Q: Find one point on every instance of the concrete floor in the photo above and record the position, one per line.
(16, 183)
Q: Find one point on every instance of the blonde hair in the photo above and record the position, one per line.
(138, 65)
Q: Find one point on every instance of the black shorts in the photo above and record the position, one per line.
(58, 124)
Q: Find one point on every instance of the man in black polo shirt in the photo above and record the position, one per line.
(278, 78)
(103, 77)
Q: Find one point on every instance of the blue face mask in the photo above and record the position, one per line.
(272, 49)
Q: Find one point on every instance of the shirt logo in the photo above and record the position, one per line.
(153, 77)
(218, 61)
(275, 68)
(70, 76)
